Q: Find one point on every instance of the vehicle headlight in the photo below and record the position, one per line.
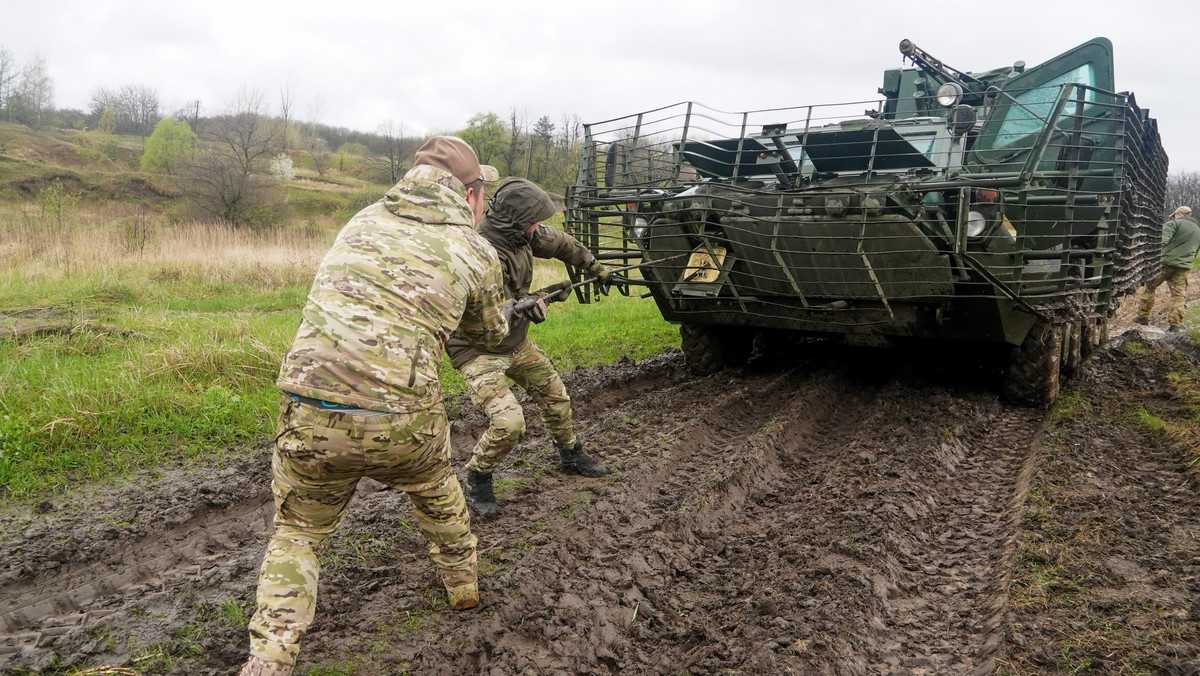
(949, 94)
(976, 224)
(640, 227)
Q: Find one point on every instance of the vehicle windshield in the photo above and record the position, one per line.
(1036, 104)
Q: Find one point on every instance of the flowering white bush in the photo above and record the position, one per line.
(281, 168)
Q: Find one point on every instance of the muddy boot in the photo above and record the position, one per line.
(573, 460)
(480, 496)
(258, 667)
(463, 596)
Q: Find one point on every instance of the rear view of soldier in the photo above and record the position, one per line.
(361, 389)
(513, 225)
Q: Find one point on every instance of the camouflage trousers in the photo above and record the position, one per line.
(1176, 279)
(320, 455)
(530, 368)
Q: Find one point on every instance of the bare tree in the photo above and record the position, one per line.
(8, 78)
(1183, 189)
(314, 145)
(34, 94)
(102, 99)
(143, 106)
(136, 108)
(246, 132)
(390, 151)
(227, 181)
(287, 100)
(513, 150)
(543, 136)
(189, 112)
(567, 151)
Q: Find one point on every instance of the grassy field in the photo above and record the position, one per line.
(127, 342)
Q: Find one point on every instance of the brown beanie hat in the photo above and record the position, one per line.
(457, 157)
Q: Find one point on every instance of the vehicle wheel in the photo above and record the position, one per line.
(1072, 348)
(708, 349)
(1091, 340)
(1032, 377)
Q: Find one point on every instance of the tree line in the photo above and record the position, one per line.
(227, 160)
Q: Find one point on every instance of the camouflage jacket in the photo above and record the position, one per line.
(518, 204)
(402, 275)
(1181, 241)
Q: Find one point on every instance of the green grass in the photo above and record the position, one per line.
(123, 367)
(339, 668)
(234, 613)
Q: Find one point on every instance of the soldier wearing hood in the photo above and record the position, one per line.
(513, 226)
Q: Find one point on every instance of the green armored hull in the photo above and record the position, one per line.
(1010, 207)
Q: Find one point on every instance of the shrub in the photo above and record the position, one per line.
(171, 146)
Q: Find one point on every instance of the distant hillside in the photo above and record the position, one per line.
(82, 163)
(106, 168)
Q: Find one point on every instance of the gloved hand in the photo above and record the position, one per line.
(536, 312)
(603, 276)
(556, 293)
(506, 309)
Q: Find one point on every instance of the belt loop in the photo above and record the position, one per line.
(358, 428)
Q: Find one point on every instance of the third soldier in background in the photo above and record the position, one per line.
(513, 225)
(1181, 242)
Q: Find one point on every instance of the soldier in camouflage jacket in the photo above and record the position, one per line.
(1180, 243)
(361, 389)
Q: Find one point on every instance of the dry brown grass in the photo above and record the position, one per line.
(92, 241)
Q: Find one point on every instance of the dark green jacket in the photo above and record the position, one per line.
(517, 204)
(1181, 242)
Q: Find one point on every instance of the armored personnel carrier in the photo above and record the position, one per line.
(1009, 207)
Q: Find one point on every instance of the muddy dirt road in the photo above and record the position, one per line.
(844, 512)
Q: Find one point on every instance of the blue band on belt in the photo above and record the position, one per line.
(319, 403)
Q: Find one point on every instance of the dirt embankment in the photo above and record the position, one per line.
(842, 512)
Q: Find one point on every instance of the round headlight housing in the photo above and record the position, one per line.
(949, 94)
(976, 223)
(640, 227)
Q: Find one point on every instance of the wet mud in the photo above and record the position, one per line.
(831, 510)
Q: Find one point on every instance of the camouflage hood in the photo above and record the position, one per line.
(517, 204)
(432, 196)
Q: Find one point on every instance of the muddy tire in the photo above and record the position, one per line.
(1072, 346)
(1095, 334)
(709, 349)
(1032, 377)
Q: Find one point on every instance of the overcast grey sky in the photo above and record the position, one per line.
(434, 64)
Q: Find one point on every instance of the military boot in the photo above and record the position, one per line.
(481, 498)
(259, 667)
(463, 596)
(573, 460)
